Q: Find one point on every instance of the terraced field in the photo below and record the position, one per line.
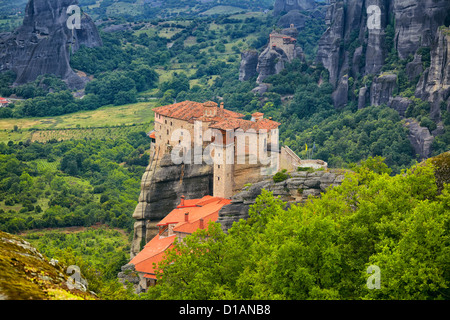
(106, 121)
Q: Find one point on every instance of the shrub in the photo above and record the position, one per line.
(280, 176)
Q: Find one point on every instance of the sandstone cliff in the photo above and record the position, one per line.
(273, 60)
(162, 186)
(296, 189)
(43, 44)
(434, 85)
(416, 25)
(359, 39)
(249, 63)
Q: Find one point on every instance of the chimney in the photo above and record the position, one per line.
(221, 105)
(182, 201)
(202, 224)
(257, 116)
(186, 217)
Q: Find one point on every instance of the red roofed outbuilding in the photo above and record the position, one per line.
(3, 102)
(184, 220)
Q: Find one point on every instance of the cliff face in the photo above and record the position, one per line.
(417, 23)
(249, 63)
(354, 22)
(162, 186)
(434, 85)
(272, 59)
(359, 38)
(288, 5)
(296, 189)
(43, 43)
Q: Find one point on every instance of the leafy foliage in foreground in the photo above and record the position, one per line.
(322, 250)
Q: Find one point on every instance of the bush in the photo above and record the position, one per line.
(280, 176)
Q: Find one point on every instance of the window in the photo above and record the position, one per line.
(218, 166)
(218, 178)
(165, 121)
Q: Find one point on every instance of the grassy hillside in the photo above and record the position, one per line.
(26, 275)
(140, 9)
(112, 121)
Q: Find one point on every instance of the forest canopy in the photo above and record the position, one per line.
(322, 250)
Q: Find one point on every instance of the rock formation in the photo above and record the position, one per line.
(434, 84)
(350, 24)
(249, 62)
(271, 61)
(382, 89)
(281, 49)
(288, 5)
(296, 189)
(162, 186)
(359, 37)
(417, 23)
(25, 274)
(297, 12)
(43, 44)
(420, 138)
(293, 16)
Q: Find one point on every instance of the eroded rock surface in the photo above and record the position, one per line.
(43, 44)
(296, 189)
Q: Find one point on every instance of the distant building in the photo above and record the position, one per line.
(4, 102)
(284, 42)
(230, 172)
(189, 216)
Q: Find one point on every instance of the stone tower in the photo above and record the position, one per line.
(224, 166)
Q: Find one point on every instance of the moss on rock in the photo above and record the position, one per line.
(27, 275)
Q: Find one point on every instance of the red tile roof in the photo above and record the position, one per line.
(190, 111)
(206, 208)
(224, 120)
(233, 124)
(153, 252)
